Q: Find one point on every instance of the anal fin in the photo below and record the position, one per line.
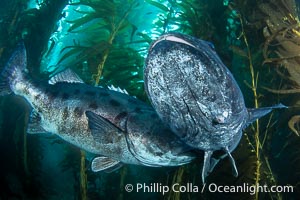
(34, 124)
(106, 164)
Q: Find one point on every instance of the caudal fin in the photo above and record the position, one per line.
(13, 69)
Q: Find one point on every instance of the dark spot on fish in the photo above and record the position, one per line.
(65, 113)
(65, 96)
(121, 116)
(47, 91)
(103, 94)
(77, 91)
(131, 100)
(54, 94)
(37, 84)
(26, 91)
(212, 98)
(78, 112)
(37, 97)
(114, 103)
(159, 154)
(138, 110)
(121, 119)
(93, 105)
(118, 150)
(90, 93)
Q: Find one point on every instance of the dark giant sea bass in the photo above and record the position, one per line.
(196, 95)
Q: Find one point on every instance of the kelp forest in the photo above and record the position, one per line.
(105, 42)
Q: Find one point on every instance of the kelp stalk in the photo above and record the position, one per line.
(122, 182)
(258, 147)
(177, 178)
(1, 51)
(254, 79)
(114, 31)
(25, 150)
(83, 176)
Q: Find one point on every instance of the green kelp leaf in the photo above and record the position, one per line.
(185, 7)
(146, 37)
(237, 50)
(158, 5)
(185, 27)
(287, 91)
(70, 53)
(84, 53)
(126, 24)
(294, 124)
(81, 21)
(98, 26)
(106, 7)
(83, 11)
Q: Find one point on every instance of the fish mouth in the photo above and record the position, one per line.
(152, 155)
(153, 145)
(172, 37)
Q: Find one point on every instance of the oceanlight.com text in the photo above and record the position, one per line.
(247, 188)
(212, 187)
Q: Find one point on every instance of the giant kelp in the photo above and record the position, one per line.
(21, 158)
(275, 26)
(111, 47)
(282, 46)
(21, 166)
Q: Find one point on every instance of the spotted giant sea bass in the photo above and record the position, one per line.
(113, 125)
(196, 95)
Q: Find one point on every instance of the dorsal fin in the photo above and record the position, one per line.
(118, 89)
(66, 76)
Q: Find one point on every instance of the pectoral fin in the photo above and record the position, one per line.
(256, 113)
(100, 127)
(206, 165)
(234, 169)
(34, 124)
(106, 164)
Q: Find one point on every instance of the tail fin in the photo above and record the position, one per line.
(13, 69)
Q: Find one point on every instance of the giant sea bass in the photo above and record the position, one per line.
(114, 126)
(196, 95)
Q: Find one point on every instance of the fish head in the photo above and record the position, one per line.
(153, 144)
